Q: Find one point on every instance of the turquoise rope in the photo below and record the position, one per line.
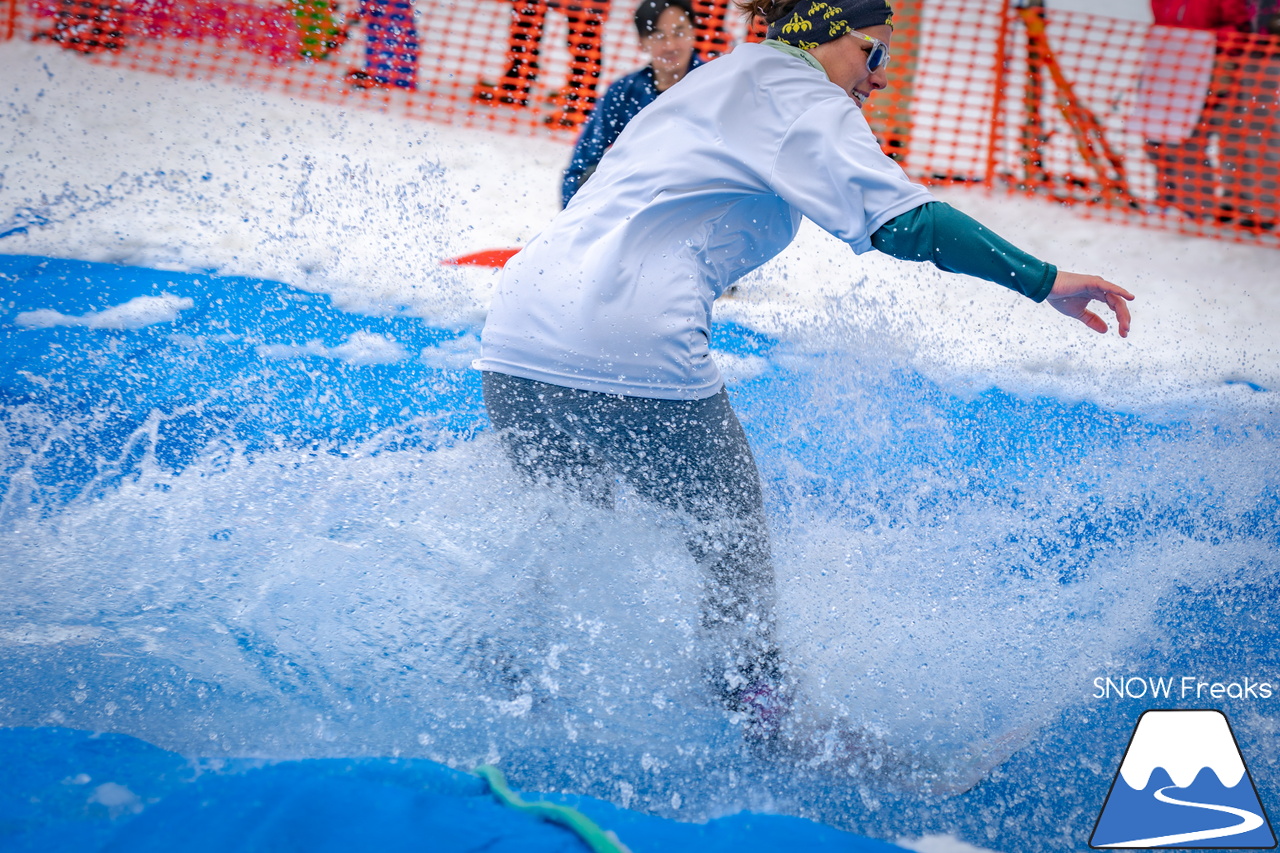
(596, 838)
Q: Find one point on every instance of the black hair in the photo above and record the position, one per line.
(770, 10)
(648, 12)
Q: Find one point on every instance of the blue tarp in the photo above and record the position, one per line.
(90, 400)
(210, 371)
(62, 789)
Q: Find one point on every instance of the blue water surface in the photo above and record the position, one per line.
(1042, 500)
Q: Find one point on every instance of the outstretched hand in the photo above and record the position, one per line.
(1072, 293)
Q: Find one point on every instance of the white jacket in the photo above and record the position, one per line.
(703, 186)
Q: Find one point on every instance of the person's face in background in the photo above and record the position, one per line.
(670, 45)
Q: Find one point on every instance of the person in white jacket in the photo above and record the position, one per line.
(596, 351)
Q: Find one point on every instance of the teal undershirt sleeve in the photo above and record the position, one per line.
(954, 242)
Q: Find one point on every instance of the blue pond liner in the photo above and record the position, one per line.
(260, 365)
(66, 790)
(209, 373)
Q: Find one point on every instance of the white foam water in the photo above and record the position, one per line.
(936, 611)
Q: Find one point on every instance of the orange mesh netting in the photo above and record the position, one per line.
(1130, 120)
(1124, 120)
(515, 65)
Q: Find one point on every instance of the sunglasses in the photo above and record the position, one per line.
(879, 56)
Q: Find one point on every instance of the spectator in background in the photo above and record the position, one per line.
(320, 29)
(89, 26)
(1185, 177)
(1267, 21)
(524, 45)
(390, 46)
(1250, 143)
(667, 34)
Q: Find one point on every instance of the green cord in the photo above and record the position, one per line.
(596, 838)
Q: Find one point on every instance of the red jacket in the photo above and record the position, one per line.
(1234, 15)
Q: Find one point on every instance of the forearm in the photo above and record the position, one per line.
(952, 241)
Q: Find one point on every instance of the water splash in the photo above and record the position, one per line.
(279, 552)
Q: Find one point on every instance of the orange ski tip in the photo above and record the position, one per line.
(493, 258)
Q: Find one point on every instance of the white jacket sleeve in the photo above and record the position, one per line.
(830, 168)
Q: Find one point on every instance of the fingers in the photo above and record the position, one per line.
(1073, 292)
(1093, 321)
(1118, 290)
(1121, 309)
(1102, 286)
(1117, 299)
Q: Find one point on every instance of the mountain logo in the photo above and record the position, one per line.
(1183, 783)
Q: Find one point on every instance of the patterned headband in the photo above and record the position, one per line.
(812, 22)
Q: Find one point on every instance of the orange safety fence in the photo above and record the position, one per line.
(1129, 121)
(1123, 120)
(514, 65)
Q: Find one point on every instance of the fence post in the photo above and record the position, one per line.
(894, 111)
(997, 93)
(10, 25)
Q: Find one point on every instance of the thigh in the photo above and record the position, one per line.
(534, 423)
(691, 455)
(688, 455)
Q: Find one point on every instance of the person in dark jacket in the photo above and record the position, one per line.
(667, 34)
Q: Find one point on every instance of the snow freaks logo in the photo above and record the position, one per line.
(1183, 783)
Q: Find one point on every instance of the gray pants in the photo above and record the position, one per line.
(688, 455)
